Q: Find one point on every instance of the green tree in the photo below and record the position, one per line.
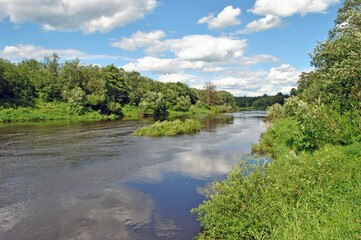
(94, 86)
(210, 90)
(337, 77)
(114, 83)
(153, 104)
(225, 98)
(183, 103)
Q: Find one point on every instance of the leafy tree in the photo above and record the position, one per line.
(337, 77)
(76, 99)
(225, 98)
(114, 84)
(153, 104)
(94, 86)
(293, 92)
(210, 93)
(183, 103)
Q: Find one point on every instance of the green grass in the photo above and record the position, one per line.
(300, 195)
(49, 111)
(130, 112)
(170, 128)
(41, 111)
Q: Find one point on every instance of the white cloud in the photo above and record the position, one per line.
(286, 8)
(179, 77)
(283, 75)
(258, 59)
(256, 83)
(192, 47)
(70, 15)
(21, 51)
(262, 24)
(205, 48)
(29, 51)
(140, 39)
(170, 65)
(226, 18)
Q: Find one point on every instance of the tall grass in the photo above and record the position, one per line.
(170, 128)
(49, 111)
(301, 195)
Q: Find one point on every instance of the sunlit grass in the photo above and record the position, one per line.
(300, 195)
(49, 111)
(170, 128)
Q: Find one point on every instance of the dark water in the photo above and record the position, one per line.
(94, 180)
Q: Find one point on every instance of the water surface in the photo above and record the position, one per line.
(94, 180)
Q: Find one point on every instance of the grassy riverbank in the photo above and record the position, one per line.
(312, 188)
(170, 128)
(50, 111)
(63, 111)
(303, 195)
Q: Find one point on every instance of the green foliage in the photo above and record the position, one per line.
(275, 111)
(261, 102)
(96, 88)
(336, 80)
(310, 195)
(170, 128)
(226, 99)
(49, 111)
(183, 104)
(75, 98)
(312, 188)
(153, 104)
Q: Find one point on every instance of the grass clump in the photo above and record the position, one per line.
(170, 128)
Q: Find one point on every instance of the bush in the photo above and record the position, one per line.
(275, 111)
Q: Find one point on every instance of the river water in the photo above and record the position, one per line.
(95, 180)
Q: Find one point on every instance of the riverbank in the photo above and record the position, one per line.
(301, 195)
(63, 111)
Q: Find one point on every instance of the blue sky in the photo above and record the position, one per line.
(245, 47)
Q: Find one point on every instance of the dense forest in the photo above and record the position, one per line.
(311, 188)
(107, 90)
(262, 102)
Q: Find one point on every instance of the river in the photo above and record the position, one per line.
(95, 180)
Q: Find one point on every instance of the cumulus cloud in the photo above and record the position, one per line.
(203, 48)
(255, 83)
(192, 47)
(30, 51)
(70, 15)
(274, 10)
(226, 18)
(286, 8)
(262, 24)
(21, 51)
(179, 77)
(253, 60)
(170, 65)
(140, 39)
(283, 75)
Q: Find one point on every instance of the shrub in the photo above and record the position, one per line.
(275, 111)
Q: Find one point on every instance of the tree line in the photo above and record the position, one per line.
(106, 89)
(262, 102)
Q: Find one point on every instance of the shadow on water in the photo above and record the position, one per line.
(95, 180)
